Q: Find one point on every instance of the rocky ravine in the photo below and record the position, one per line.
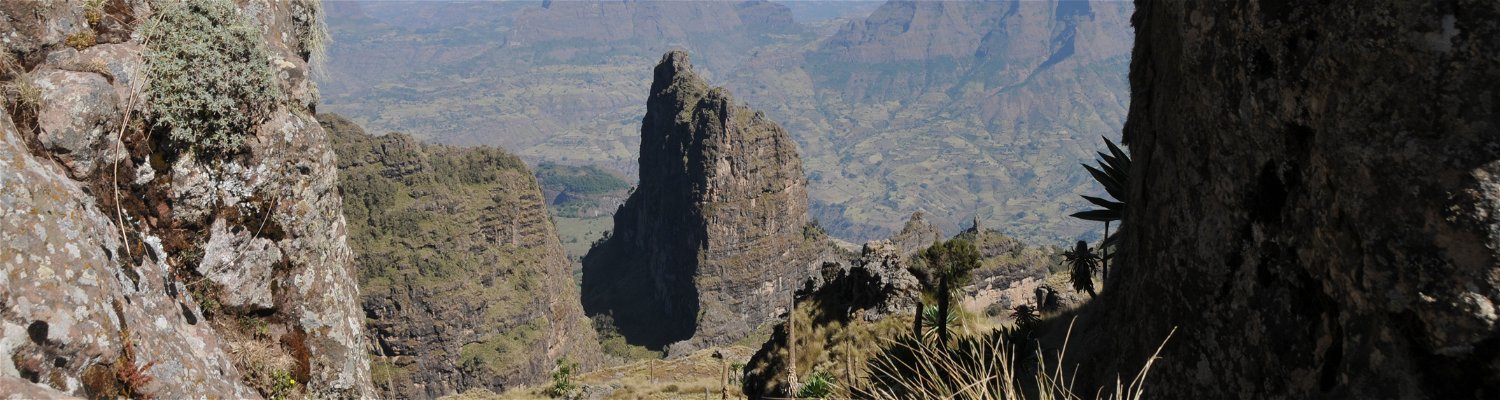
(221, 276)
(1315, 204)
(711, 243)
(465, 283)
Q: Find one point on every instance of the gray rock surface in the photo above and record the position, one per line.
(209, 275)
(74, 300)
(1313, 203)
(79, 118)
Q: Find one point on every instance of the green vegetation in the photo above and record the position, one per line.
(210, 75)
(934, 321)
(503, 353)
(819, 385)
(562, 379)
(463, 234)
(943, 268)
(581, 191)
(582, 180)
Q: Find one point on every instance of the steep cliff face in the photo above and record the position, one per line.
(465, 283)
(133, 269)
(1314, 201)
(712, 240)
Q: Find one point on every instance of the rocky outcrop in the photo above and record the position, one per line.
(1315, 179)
(712, 241)
(916, 234)
(132, 269)
(838, 321)
(465, 282)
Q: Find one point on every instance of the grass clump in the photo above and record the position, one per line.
(980, 367)
(93, 11)
(82, 40)
(210, 75)
(23, 94)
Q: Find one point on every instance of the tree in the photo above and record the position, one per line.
(1113, 173)
(944, 267)
(1082, 261)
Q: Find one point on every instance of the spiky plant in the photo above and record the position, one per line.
(1113, 173)
(932, 320)
(1082, 261)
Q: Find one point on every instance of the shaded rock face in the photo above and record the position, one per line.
(1313, 202)
(465, 282)
(711, 242)
(206, 274)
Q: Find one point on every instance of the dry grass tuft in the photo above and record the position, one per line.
(980, 368)
(23, 94)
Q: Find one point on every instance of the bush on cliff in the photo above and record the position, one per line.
(209, 73)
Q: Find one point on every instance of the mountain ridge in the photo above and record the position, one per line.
(713, 237)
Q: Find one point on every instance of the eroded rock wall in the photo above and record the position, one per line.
(223, 276)
(465, 283)
(711, 243)
(1313, 202)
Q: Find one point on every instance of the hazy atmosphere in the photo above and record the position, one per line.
(749, 199)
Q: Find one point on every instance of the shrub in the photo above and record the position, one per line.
(82, 40)
(210, 75)
(93, 11)
(562, 379)
(819, 385)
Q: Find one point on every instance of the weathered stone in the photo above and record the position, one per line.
(78, 119)
(123, 64)
(712, 242)
(73, 299)
(100, 278)
(1313, 202)
(441, 308)
(242, 264)
(916, 235)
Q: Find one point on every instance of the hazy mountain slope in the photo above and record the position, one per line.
(562, 83)
(465, 284)
(955, 108)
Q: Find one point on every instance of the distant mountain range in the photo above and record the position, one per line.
(955, 108)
